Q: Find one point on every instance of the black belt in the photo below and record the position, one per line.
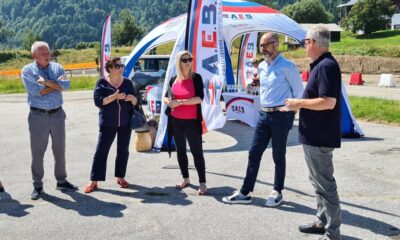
(45, 110)
(271, 109)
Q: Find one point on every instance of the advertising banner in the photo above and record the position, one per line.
(248, 52)
(105, 51)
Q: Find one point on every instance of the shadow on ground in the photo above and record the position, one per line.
(348, 218)
(86, 205)
(167, 195)
(12, 207)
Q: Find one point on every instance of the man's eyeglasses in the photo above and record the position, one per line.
(266, 44)
(306, 41)
(118, 66)
(186, 60)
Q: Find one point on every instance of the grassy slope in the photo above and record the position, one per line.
(382, 43)
(15, 85)
(69, 56)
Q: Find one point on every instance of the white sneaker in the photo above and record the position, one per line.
(274, 199)
(237, 197)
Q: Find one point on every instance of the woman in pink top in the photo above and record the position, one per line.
(184, 102)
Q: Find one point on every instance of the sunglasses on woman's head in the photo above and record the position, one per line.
(186, 60)
(118, 66)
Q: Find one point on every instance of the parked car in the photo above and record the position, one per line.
(149, 70)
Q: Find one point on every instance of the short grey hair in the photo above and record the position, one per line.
(36, 45)
(321, 35)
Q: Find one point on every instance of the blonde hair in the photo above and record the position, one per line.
(178, 65)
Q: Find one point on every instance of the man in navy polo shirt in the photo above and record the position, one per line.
(319, 130)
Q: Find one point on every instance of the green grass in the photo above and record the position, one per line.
(15, 85)
(381, 43)
(83, 83)
(376, 110)
(70, 56)
(11, 85)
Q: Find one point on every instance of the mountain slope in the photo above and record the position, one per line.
(65, 23)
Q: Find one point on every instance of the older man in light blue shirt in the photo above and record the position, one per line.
(38, 96)
(279, 80)
(44, 81)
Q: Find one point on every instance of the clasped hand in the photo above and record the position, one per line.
(172, 103)
(122, 96)
(132, 99)
(291, 104)
(41, 80)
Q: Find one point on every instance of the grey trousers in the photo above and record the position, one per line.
(319, 162)
(41, 126)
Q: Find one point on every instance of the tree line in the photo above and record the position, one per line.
(77, 24)
(64, 24)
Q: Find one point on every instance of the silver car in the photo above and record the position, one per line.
(149, 70)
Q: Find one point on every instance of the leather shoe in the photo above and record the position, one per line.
(312, 228)
(37, 193)
(66, 186)
(90, 187)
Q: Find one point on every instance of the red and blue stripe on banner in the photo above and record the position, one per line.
(246, 7)
(239, 99)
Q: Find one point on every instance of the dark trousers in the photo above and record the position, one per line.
(188, 129)
(274, 126)
(106, 138)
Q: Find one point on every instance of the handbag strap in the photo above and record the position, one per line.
(139, 105)
(171, 82)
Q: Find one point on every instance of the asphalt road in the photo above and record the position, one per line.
(366, 170)
(370, 87)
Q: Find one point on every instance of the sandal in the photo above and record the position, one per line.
(202, 189)
(185, 183)
(122, 182)
(91, 187)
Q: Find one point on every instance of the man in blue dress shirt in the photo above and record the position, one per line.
(279, 80)
(44, 81)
